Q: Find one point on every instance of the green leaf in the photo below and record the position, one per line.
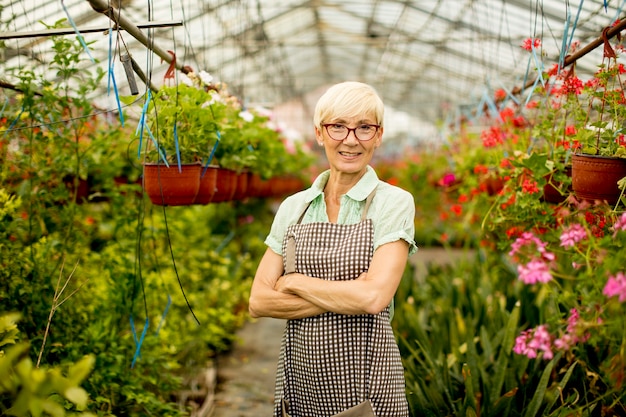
(78, 396)
(81, 369)
(540, 391)
(563, 383)
(503, 358)
(8, 328)
(52, 408)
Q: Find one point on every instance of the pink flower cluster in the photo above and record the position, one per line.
(537, 269)
(572, 235)
(620, 224)
(532, 342)
(616, 286)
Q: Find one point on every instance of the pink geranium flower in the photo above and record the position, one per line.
(531, 342)
(534, 271)
(572, 235)
(616, 286)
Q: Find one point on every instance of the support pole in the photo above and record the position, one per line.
(102, 6)
(571, 59)
(612, 32)
(71, 31)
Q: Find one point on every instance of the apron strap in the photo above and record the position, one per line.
(290, 252)
(368, 201)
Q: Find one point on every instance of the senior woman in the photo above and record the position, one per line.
(336, 254)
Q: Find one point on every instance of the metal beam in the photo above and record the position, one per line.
(104, 7)
(70, 31)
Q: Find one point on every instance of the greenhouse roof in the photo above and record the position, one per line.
(427, 58)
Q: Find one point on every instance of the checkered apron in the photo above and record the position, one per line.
(331, 362)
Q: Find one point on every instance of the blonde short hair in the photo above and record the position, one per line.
(348, 99)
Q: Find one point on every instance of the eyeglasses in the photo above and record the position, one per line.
(362, 132)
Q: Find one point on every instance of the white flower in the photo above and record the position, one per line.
(246, 115)
(216, 97)
(265, 112)
(185, 79)
(205, 77)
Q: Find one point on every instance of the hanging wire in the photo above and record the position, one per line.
(143, 125)
(138, 273)
(78, 34)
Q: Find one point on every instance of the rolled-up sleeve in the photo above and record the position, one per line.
(394, 219)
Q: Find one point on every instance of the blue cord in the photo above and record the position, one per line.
(167, 307)
(180, 169)
(139, 342)
(208, 162)
(6, 132)
(564, 45)
(142, 121)
(156, 144)
(80, 37)
(117, 97)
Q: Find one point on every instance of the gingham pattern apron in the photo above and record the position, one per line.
(331, 362)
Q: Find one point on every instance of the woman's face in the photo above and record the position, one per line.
(351, 155)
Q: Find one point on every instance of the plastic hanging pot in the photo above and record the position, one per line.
(226, 185)
(208, 184)
(169, 186)
(595, 177)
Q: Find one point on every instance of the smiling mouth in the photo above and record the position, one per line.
(350, 154)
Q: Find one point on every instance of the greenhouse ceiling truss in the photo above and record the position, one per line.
(428, 58)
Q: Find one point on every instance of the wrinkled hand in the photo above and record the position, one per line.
(281, 284)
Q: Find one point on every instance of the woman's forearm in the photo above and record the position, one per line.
(280, 305)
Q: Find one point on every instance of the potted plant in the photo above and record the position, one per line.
(601, 161)
(178, 133)
(255, 147)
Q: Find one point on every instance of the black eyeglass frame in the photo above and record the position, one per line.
(351, 129)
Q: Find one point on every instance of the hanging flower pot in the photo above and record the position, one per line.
(77, 187)
(169, 186)
(241, 189)
(208, 184)
(492, 184)
(258, 187)
(556, 191)
(595, 177)
(226, 185)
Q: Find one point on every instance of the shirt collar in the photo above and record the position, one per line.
(359, 192)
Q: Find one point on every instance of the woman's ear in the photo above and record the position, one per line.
(318, 136)
(379, 138)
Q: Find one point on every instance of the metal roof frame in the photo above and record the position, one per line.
(425, 57)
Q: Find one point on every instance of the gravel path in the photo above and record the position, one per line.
(245, 377)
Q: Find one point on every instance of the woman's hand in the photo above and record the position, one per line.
(281, 284)
(270, 295)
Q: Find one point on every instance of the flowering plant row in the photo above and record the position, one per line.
(507, 185)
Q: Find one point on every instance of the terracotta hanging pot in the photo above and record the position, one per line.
(241, 189)
(208, 184)
(258, 187)
(493, 184)
(169, 186)
(225, 186)
(595, 177)
(554, 191)
(78, 188)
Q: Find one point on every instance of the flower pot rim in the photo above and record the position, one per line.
(173, 164)
(589, 155)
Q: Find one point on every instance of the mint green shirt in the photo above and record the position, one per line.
(392, 210)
